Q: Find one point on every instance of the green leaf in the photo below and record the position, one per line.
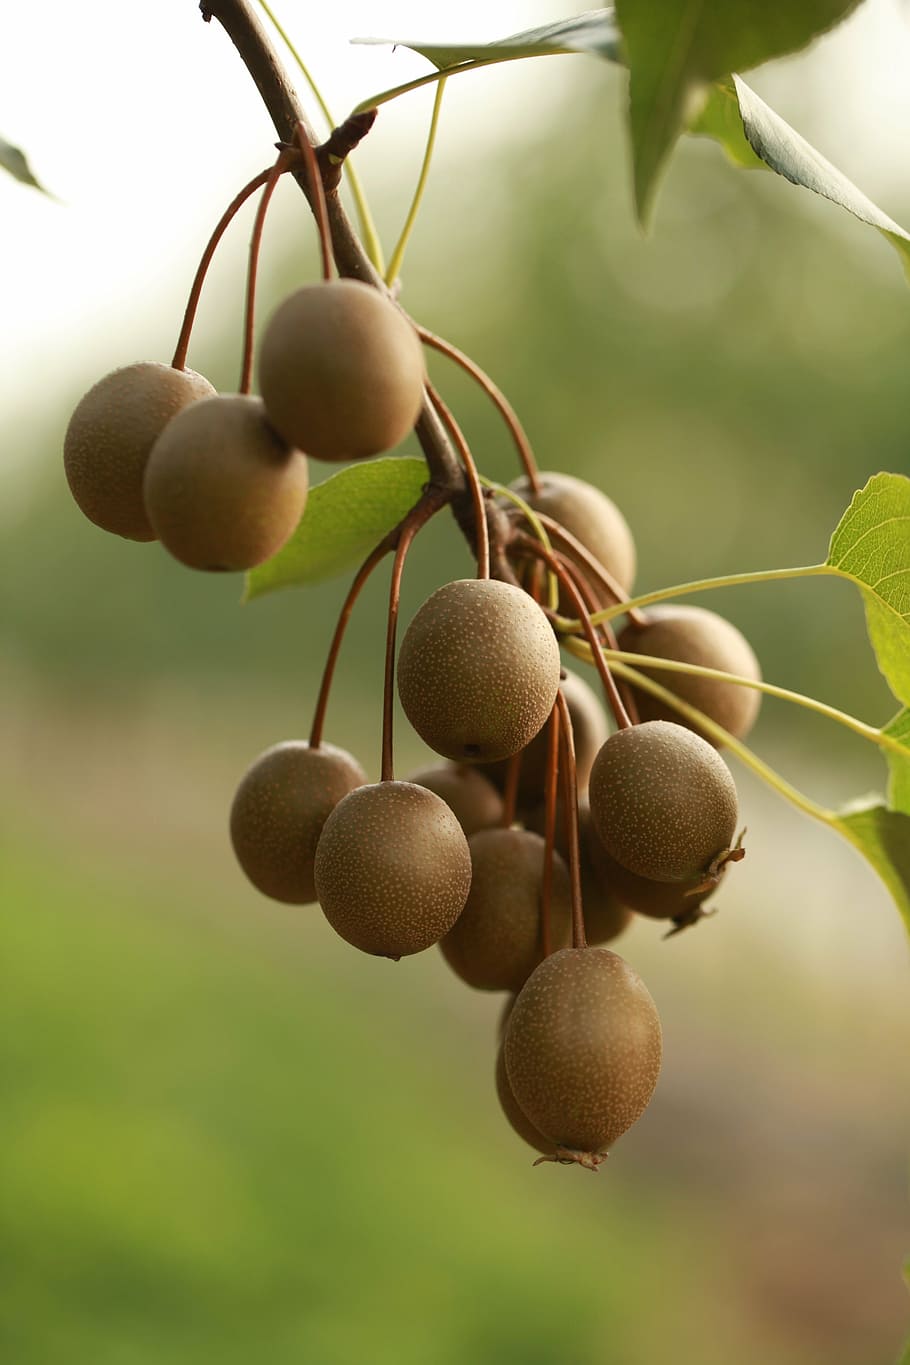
(899, 785)
(883, 837)
(12, 159)
(721, 119)
(780, 147)
(345, 517)
(676, 48)
(594, 32)
(871, 547)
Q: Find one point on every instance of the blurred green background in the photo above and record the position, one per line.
(225, 1135)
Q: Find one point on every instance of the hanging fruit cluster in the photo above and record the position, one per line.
(549, 826)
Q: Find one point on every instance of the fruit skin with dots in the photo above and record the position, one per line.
(694, 635)
(473, 800)
(591, 517)
(478, 670)
(655, 900)
(283, 801)
(223, 491)
(589, 729)
(663, 801)
(393, 868)
(583, 1050)
(515, 1115)
(341, 371)
(605, 915)
(495, 943)
(110, 435)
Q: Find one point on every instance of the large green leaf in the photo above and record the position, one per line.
(594, 32)
(345, 517)
(871, 547)
(676, 48)
(14, 160)
(899, 785)
(781, 148)
(883, 837)
(726, 109)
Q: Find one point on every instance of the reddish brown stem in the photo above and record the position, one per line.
(318, 200)
(419, 515)
(549, 832)
(566, 582)
(284, 162)
(189, 317)
(508, 413)
(369, 564)
(571, 790)
(604, 630)
(584, 559)
(477, 498)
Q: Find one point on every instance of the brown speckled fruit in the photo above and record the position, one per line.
(495, 943)
(393, 868)
(662, 801)
(222, 489)
(589, 728)
(656, 900)
(582, 1050)
(478, 670)
(475, 802)
(110, 435)
(693, 635)
(516, 1116)
(341, 371)
(279, 809)
(606, 915)
(591, 517)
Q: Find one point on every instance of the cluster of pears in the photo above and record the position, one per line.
(153, 452)
(398, 866)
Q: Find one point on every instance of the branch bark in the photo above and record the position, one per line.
(242, 25)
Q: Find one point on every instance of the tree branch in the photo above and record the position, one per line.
(242, 25)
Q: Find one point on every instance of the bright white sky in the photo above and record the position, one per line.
(145, 127)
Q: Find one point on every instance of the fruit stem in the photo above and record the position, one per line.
(549, 832)
(735, 746)
(384, 547)
(701, 585)
(482, 531)
(258, 55)
(508, 413)
(566, 582)
(285, 159)
(364, 216)
(318, 201)
(571, 792)
(391, 275)
(429, 504)
(584, 559)
(537, 527)
(189, 317)
(474, 65)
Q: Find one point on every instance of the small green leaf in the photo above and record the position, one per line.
(595, 33)
(871, 547)
(721, 119)
(12, 159)
(345, 517)
(782, 149)
(883, 837)
(899, 785)
(676, 48)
